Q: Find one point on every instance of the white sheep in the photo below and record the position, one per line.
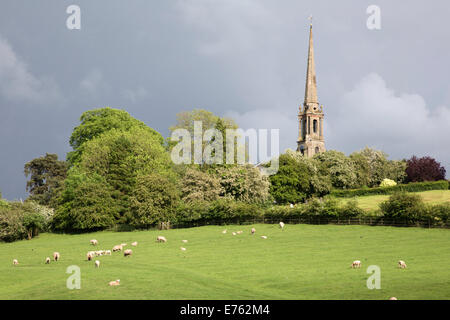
(117, 248)
(97, 264)
(123, 244)
(56, 256)
(234, 233)
(356, 264)
(115, 283)
(94, 242)
(392, 298)
(161, 239)
(108, 252)
(253, 230)
(183, 249)
(47, 260)
(239, 232)
(282, 225)
(134, 244)
(184, 241)
(15, 262)
(127, 252)
(224, 231)
(402, 264)
(264, 237)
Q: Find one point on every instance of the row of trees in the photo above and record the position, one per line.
(120, 172)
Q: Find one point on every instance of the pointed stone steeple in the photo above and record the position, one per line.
(311, 85)
(310, 127)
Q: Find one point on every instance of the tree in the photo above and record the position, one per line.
(197, 185)
(98, 121)
(340, 168)
(46, 176)
(244, 183)
(153, 200)
(424, 169)
(87, 202)
(185, 120)
(291, 184)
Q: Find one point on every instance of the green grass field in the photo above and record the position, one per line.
(430, 197)
(301, 262)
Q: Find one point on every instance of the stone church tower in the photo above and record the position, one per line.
(310, 134)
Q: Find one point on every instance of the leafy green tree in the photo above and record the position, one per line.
(98, 121)
(404, 205)
(46, 177)
(153, 200)
(339, 167)
(86, 203)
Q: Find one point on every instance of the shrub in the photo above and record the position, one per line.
(387, 183)
(351, 209)
(11, 226)
(404, 205)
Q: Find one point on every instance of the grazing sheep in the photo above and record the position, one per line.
(356, 264)
(56, 256)
(99, 253)
(89, 256)
(94, 242)
(402, 264)
(392, 298)
(115, 283)
(108, 252)
(224, 231)
(127, 252)
(253, 230)
(97, 264)
(183, 249)
(282, 225)
(234, 233)
(264, 237)
(134, 244)
(117, 248)
(161, 239)
(184, 241)
(47, 260)
(239, 232)
(123, 244)
(15, 262)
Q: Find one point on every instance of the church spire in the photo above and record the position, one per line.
(311, 86)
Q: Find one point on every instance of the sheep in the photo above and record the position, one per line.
(282, 225)
(15, 262)
(94, 242)
(134, 244)
(89, 256)
(392, 298)
(183, 249)
(234, 233)
(56, 256)
(402, 264)
(253, 230)
(239, 232)
(356, 264)
(108, 252)
(99, 253)
(184, 241)
(264, 237)
(123, 244)
(127, 252)
(97, 264)
(161, 239)
(115, 283)
(47, 260)
(117, 248)
(224, 231)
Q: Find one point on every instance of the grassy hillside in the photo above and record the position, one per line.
(431, 197)
(301, 262)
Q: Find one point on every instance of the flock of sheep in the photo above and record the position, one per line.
(128, 252)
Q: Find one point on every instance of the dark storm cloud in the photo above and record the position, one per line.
(385, 88)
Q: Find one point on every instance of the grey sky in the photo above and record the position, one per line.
(387, 88)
